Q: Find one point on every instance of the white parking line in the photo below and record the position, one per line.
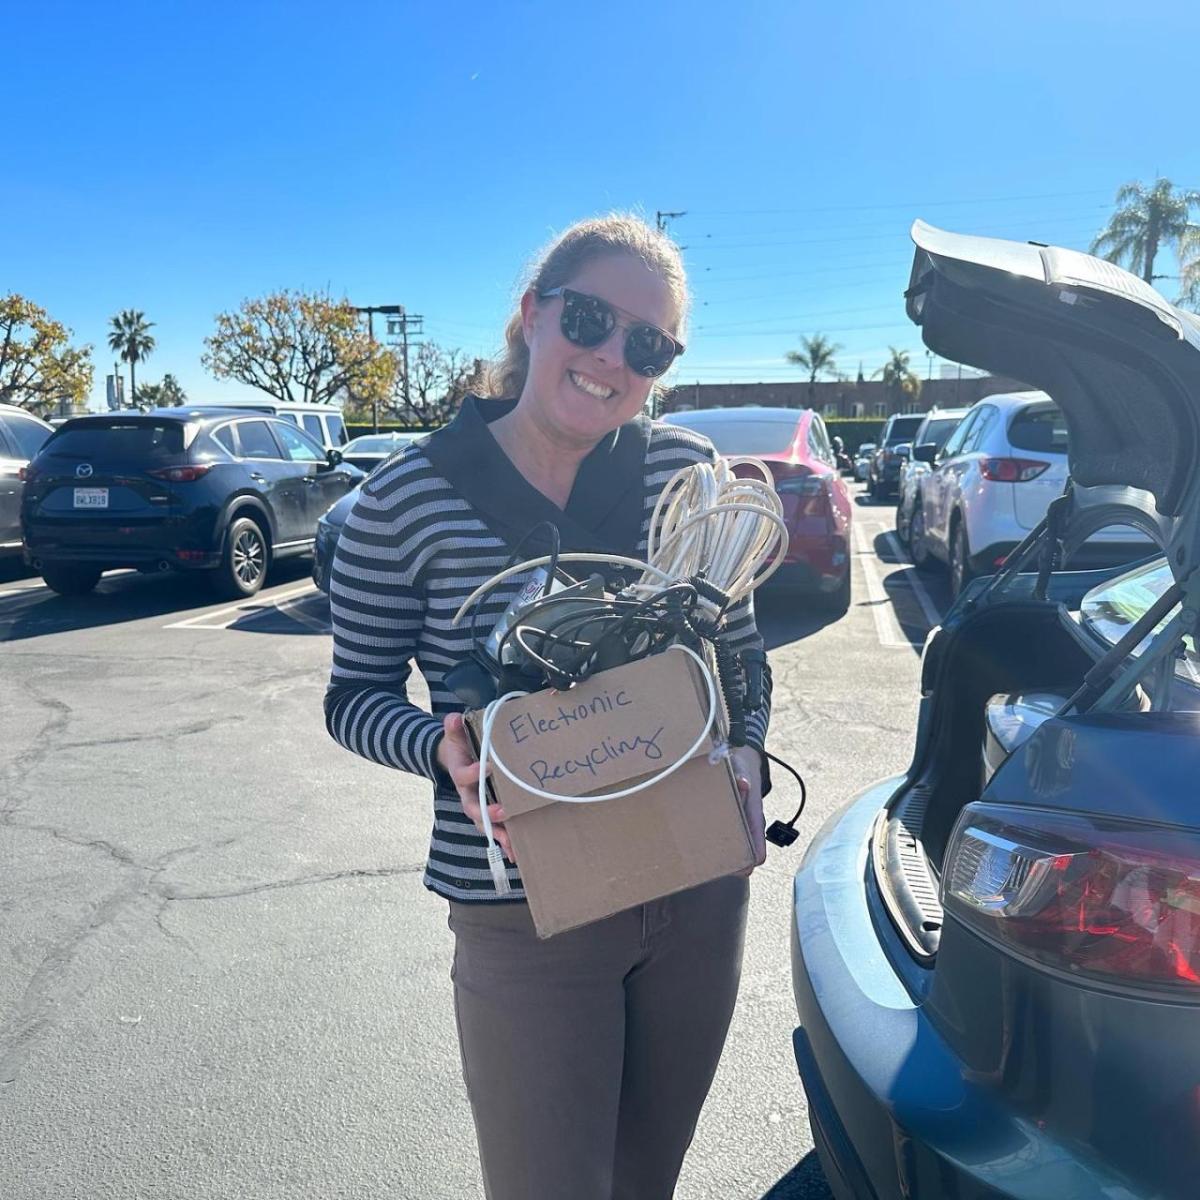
(913, 579)
(251, 606)
(887, 628)
(292, 608)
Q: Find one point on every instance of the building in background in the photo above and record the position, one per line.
(842, 398)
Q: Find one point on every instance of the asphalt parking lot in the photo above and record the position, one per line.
(219, 973)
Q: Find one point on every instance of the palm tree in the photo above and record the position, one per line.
(1146, 219)
(129, 335)
(165, 394)
(817, 356)
(898, 378)
(172, 391)
(1189, 268)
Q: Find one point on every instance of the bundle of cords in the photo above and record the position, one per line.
(713, 538)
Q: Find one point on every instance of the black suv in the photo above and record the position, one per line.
(220, 492)
(884, 473)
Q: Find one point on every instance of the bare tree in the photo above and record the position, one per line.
(437, 382)
(299, 347)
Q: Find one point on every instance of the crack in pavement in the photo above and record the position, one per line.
(48, 992)
(165, 735)
(17, 772)
(301, 881)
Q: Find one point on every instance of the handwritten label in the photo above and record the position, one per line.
(607, 751)
(618, 726)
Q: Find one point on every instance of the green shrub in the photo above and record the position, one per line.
(854, 430)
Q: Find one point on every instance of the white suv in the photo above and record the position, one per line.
(992, 482)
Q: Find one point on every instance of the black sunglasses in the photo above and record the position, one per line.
(588, 321)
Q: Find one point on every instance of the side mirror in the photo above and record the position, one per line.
(926, 452)
(333, 458)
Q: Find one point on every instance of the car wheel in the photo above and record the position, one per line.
(918, 548)
(71, 580)
(903, 525)
(960, 560)
(244, 563)
(836, 602)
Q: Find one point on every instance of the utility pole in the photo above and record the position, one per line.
(398, 322)
(661, 218)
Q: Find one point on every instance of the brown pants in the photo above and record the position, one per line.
(587, 1057)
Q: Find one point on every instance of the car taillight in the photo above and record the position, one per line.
(806, 484)
(1113, 900)
(181, 474)
(1012, 470)
(26, 473)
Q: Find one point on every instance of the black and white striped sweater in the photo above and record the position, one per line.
(411, 551)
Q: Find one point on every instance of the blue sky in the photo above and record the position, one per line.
(179, 157)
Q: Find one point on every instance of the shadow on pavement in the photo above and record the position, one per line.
(805, 1181)
(36, 611)
(902, 590)
(881, 505)
(12, 568)
(296, 616)
(784, 618)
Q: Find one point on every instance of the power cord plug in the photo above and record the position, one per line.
(785, 833)
(779, 833)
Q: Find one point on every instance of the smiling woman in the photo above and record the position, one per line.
(587, 1056)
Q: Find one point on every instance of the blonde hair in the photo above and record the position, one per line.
(563, 259)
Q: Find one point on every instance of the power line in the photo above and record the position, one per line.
(897, 231)
(739, 212)
(892, 223)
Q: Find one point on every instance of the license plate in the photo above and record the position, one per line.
(91, 497)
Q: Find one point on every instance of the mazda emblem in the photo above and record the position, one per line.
(83, 471)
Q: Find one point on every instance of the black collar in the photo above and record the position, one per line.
(605, 508)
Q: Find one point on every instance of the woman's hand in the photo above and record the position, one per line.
(747, 769)
(455, 758)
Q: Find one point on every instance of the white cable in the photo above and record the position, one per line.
(487, 755)
(694, 528)
(706, 520)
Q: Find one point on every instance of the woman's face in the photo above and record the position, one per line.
(580, 395)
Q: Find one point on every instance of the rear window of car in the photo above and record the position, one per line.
(27, 435)
(103, 441)
(902, 429)
(1039, 429)
(938, 431)
(383, 443)
(745, 437)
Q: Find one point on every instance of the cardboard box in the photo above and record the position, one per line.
(581, 862)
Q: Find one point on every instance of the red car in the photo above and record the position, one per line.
(816, 504)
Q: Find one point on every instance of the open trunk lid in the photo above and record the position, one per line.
(1122, 363)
